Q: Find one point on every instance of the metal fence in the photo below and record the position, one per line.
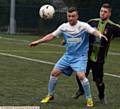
(29, 21)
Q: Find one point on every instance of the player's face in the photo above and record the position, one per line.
(104, 13)
(72, 17)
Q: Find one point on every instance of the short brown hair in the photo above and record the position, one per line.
(72, 9)
(107, 5)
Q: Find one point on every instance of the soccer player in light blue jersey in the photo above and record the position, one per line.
(76, 36)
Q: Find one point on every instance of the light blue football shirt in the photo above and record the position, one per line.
(76, 37)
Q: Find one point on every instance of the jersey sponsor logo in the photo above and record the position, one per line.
(74, 40)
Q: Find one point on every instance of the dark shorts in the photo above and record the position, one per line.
(97, 70)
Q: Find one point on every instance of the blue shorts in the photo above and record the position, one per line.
(67, 71)
(69, 64)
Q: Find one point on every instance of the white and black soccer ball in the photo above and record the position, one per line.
(47, 11)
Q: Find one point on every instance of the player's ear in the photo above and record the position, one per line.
(77, 16)
(109, 13)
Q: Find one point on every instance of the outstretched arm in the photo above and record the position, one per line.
(95, 32)
(46, 38)
(99, 34)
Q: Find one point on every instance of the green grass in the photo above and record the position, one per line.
(24, 82)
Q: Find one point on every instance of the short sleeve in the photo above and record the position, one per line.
(89, 29)
(58, 31)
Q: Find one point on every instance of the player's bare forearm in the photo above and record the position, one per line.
(99, 34)
(46, 38)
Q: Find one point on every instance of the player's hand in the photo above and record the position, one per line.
(104, 37)
(34, 43)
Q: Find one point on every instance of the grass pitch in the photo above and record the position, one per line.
(24, 75)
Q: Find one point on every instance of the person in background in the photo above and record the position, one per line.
(98, 50)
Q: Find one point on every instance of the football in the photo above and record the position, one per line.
(47, 11)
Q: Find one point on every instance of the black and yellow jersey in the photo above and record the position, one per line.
(99, 47)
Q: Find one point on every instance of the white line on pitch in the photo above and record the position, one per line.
(44, 52)
(44, 62)
(56, 45)
(29, 59)
(108, 74)
(26, 41)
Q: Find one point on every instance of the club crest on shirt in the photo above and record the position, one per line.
(105, 31)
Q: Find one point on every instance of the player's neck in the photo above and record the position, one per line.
(73, 24)
(104, 20)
